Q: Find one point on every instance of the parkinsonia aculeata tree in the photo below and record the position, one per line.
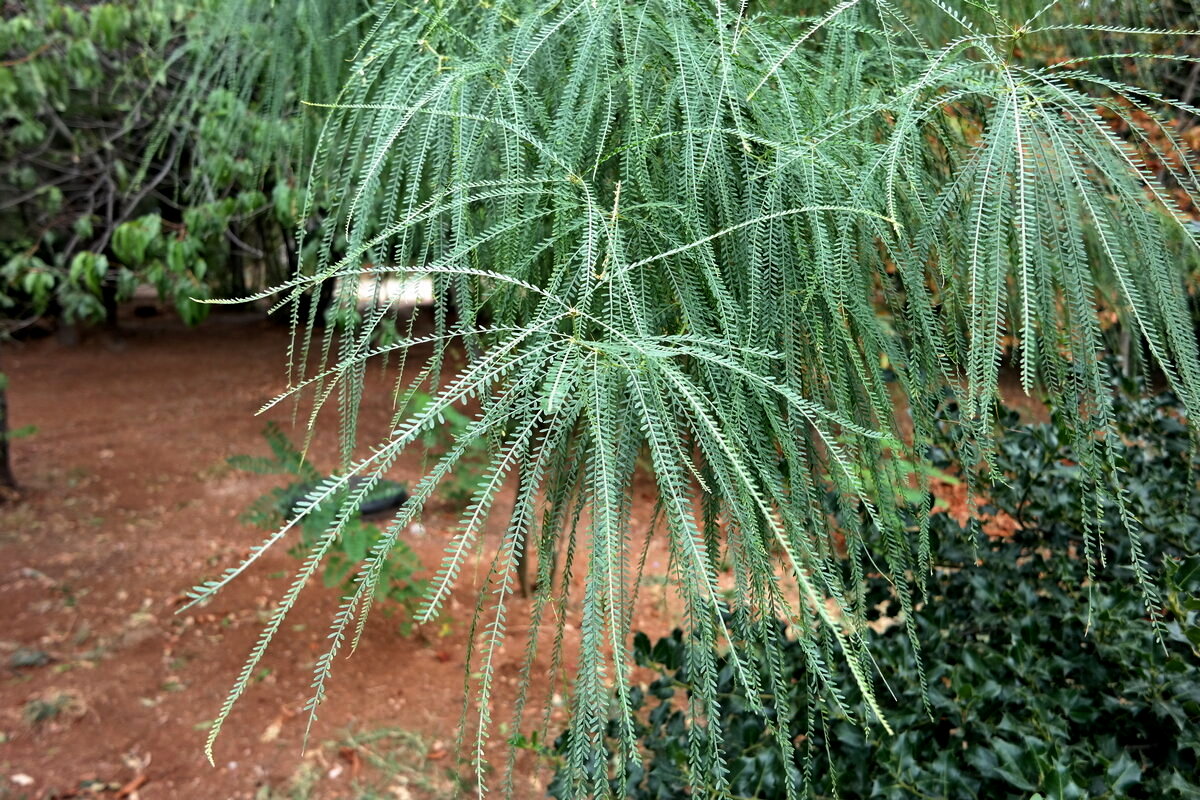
(722, 239)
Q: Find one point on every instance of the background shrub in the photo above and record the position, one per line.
(1039, 677)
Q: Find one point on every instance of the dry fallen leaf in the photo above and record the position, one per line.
(351, 757)
(271, 733)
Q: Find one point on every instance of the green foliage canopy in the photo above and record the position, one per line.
(100, 190)
(707, 236)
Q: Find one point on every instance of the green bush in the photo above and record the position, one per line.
(1037, 678)
(100, 190)
(1045, 488)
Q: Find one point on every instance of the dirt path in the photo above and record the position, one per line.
(127, 503)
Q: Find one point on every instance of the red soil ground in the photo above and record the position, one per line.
(127, 502)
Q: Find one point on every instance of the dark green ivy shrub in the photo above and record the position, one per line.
(1040, 679)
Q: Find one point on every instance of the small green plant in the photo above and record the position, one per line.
(357, 538)
(50, 707)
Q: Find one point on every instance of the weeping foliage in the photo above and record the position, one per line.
(750, 246)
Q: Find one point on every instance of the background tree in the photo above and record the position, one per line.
(100, 191)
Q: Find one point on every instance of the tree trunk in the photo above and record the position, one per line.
(108, 297)
(8, 481)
